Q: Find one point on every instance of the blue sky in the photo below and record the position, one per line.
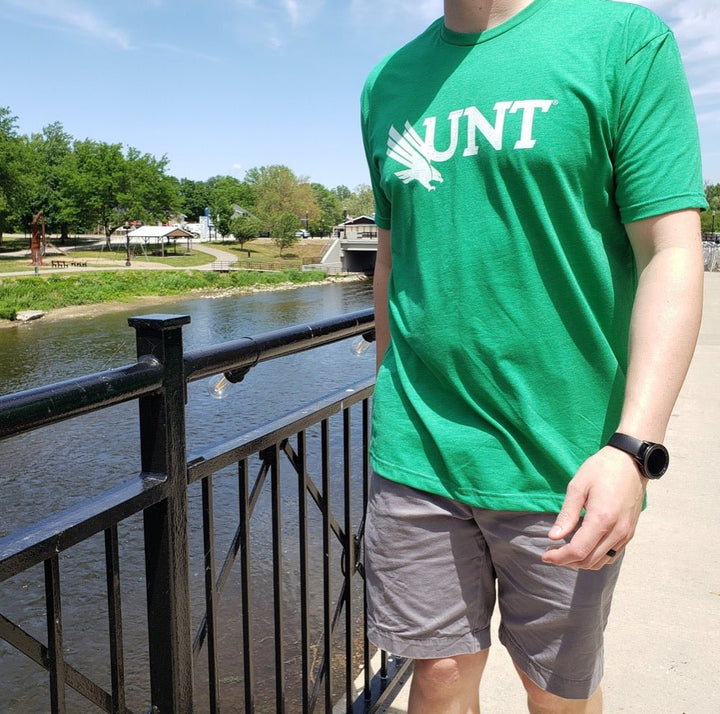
(221, 86)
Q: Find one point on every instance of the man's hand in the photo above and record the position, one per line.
(611, 489)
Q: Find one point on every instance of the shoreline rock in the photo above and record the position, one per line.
(27, 315)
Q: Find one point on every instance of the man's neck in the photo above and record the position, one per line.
(480, 15)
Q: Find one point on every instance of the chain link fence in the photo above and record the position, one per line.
(711, 255)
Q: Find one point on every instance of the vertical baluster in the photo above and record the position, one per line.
(304, 582)
(349, 548)
(117, 663)
(279, 608)
(327, 592)
(365, 490)
(244, 495)
(56, 657)
(210, 592)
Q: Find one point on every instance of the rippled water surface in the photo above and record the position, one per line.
(56, 467)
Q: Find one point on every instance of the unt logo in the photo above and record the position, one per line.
(418, 154)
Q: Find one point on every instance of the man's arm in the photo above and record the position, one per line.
(663, 332)
(383, 264)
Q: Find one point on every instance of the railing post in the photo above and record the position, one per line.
(163, 455)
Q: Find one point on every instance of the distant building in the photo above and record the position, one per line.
(362, 227)
(355, 245)
(158, 237)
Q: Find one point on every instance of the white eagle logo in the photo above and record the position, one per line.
(410, 150)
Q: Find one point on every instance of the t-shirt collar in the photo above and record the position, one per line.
(475, 38)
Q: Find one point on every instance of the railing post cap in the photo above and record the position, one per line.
(159, 321)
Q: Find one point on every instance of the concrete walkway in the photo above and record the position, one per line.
(663, 639)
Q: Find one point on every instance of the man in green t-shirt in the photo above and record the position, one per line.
(538, 284)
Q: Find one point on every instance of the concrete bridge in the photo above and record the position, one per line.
(351, 254)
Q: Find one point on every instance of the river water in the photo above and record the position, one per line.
(59, 466)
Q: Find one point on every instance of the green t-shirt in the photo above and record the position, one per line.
(505, 164)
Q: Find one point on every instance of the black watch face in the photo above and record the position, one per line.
(656, 461)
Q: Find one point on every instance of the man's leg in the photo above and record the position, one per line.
(552, 618)
(431, 593)
(542, 702)
(449, 685)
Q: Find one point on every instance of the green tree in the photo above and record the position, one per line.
(51, 154)
(342, 192)
(110, 189)
(331, 210)
(195, 197)
(227, 195)
(279, 193)
(283, 228)
(711, 218)
(245, 228)
(361, 202)
(12, 170)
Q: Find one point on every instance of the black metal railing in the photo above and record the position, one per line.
(289, 560)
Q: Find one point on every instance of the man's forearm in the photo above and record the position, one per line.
(665, 320)
(663, 331)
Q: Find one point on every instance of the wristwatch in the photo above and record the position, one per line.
(652, 459)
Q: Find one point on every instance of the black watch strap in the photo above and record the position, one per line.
(626, 443)
(652, 459)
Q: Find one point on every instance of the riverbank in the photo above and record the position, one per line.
(145, 302)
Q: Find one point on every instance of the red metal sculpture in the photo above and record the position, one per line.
(37, 239)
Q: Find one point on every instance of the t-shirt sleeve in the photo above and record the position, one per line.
(656, 148)
(382, 204)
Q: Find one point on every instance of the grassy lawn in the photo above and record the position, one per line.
(11, 265)
(261, 253)
(107, 258)
(88, 288)
(264, 250)
(175, 260)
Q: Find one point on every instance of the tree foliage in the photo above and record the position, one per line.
(245, 228)
(11, 169)
(52, 154)
(195, 197)
(228, 198)
(111, 189)
(361, 202)
(331, 210)
(283, 229)
(278, 192)
(88, 186)
(711, 218)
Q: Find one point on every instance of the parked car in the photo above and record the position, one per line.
(303, 234)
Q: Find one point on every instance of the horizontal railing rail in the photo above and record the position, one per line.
(242, 354)
(45, 405)
(310, 465)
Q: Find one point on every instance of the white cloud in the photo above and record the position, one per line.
(72, 16)
(279, 18)
(412, 15)
(694, 23)
(293, 10)
(184, 51)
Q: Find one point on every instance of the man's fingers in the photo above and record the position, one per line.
(569, 515)
(579, 549)
(590, 548)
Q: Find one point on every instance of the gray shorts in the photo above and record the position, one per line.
(432, 565)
